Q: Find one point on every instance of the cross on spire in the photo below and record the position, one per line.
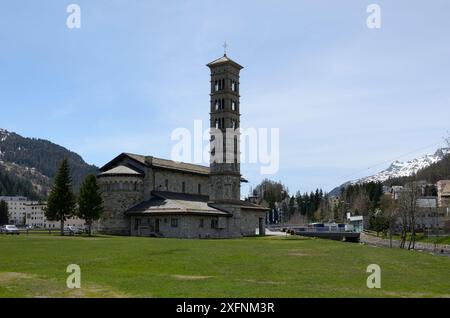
(225, 45)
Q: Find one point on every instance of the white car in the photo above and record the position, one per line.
(9, 229)
(71, 230)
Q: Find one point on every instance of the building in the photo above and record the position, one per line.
(443, 190)
(355, 223)
(23, 211)
(35, 217)
(395, 191)
(16, 208)
(149, 196)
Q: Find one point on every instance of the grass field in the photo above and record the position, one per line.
(35, 266)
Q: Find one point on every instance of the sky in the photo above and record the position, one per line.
(347, 99)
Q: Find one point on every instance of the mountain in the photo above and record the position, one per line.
(400, 170)
(28, 165)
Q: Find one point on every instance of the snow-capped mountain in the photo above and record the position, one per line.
(3, 134)
(399, 169)
(404, 169)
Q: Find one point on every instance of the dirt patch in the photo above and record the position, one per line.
(7, 277)
(263, 282)
(29, 285)
(190, 277)
(298, 254)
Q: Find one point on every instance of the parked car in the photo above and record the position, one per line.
(72, 230)
(9, 229)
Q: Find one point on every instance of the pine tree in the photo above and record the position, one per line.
(90, 203)
(4, 214)
(61, 202)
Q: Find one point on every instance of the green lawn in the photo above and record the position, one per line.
(35, 266)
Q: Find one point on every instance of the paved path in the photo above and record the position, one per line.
(420, 246)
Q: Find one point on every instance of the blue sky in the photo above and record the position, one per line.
(345, 97)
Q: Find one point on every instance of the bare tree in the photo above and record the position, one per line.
(390, 209)
(361, 203)
(361, 206)
(324, 211)
(407, 208)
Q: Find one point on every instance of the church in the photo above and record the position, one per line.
(148, 196)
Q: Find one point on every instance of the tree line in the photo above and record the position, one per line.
(283, 206)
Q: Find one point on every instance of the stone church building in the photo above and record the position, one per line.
(149, 196)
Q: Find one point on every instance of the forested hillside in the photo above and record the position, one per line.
(25, 161)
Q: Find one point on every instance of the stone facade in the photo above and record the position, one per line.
(443, 189)
(178, 226)
(248, 220)
(225, 118)
(119, 193)
(172, 181)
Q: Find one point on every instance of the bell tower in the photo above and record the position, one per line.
(225, 175)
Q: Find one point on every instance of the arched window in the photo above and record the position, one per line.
(216, 85)
(223, 103)
(217, 104)
(233, 105)
(234, 86)
(217, 124)
(223, 84)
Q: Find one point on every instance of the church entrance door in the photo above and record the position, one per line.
(157, 225)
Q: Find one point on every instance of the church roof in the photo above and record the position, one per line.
(121, 170)
(170, 164)
(175, 204)
(224, 59)
(150, 161)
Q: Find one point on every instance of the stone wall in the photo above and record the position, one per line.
(250, 221)
(186, 226)
(225, 187)
(116, 200)
(175, 181)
